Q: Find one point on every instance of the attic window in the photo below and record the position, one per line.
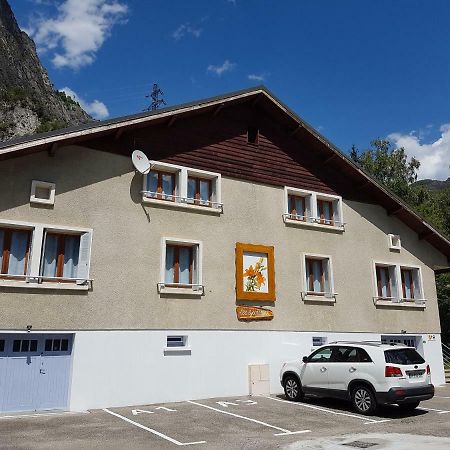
(42, 192)
(252, 135)
(394, 242)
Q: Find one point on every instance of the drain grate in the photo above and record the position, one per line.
(360, 444)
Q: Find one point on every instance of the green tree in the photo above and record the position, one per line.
(389, 165)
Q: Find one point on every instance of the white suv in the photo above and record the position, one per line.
(366, 373)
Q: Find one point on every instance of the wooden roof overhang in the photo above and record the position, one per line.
(328, 157)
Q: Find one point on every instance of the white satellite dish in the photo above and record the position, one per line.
(140, 162)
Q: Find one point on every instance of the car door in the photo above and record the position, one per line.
(314, 373)
(341, 370)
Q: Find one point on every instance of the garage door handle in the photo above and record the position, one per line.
(42, 371)
(323, 369)
(352, 369)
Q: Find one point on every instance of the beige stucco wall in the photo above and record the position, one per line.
(101, 191)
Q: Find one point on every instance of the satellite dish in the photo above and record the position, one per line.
(140, 162)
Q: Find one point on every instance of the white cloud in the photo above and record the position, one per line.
(257, 77)
(185, 29)
(227, 66)
(78, 30)
(434, 157)
(96, 109)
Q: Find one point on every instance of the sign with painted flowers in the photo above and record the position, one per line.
(255, 272)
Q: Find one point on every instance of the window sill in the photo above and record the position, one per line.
(177, 351)
(302, 223)
(413, 304)
(195, 290)
(184, 206)
(306, 297)
(47, 285)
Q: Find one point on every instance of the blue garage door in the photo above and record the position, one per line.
(34, 371)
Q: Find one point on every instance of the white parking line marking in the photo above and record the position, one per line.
(21, 416)
(439, 411)
(438, 396)
(327, 410)
(157, 433)
(283, 431)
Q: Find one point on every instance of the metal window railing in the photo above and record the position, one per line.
(318, 295)
(182, 200)
(41, 278)
(418, 301)
(314, 220)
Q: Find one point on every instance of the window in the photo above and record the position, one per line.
(183, 187)
(297, 207)
(350, 355)
(397, 283)
(199, 191)
(318, 341)
(384, 281)
(2, 345)
(318, 280)
(14, 252)
(403, 356)
(411, 283)
(176, 341)
(42, 192)
(161, 185)
(24, 345)
(394, 242)
(252, 135)
(313, 209)
(40, 256)
(181, 267)
(325, 212)
(61, 254)
(322, 355)
(56, 345)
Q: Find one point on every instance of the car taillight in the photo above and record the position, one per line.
(428, 370)
(390, 371)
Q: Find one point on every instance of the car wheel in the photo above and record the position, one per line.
(293, 388)
(363, 400)
(409, 406)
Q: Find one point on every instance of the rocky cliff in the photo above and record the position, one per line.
(28, 102)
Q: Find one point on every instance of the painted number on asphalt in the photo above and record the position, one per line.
(247, 402)
(136, 412)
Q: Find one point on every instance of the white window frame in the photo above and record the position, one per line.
(312, 219)
(394, 242)
(330, 295)
(196, 289)
(396, 298)
(33, 279)
(181, 188)
(35, 184)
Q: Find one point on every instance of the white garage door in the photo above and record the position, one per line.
(34, 371)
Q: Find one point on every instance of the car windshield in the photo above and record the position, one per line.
(403, 356)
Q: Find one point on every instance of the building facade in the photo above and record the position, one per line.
(119, 288)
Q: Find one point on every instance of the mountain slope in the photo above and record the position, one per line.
(433, 185)
(28, 102)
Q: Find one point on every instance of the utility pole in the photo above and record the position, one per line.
(156, 101)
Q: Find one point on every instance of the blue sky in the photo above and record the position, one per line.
(354, 69)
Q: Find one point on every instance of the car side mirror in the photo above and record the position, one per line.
(305, 359)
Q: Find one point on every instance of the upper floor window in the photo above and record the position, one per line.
(325, 212)
(183, 187)
(14, 251)
(397, 283)
(199, 191)
(36, 255)
(313, 209)
(161, 185)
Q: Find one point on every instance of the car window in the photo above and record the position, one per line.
(322, 355)
(363, 356)
(403, 356)
(345, 354)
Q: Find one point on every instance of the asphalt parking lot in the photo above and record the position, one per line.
(234, 423)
